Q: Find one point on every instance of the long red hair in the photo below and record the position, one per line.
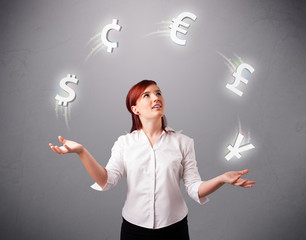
(135, 92)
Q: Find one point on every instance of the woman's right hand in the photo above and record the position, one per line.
(68, 147)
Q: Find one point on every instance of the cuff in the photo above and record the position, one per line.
(201, 200)
(108, 185)
(97, 187)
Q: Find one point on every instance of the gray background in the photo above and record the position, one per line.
(48, 196)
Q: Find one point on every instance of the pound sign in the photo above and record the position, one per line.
(238, 77)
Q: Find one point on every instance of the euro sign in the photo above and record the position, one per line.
(104, 34)
(175, 27)
(238, 78)
(63, 84)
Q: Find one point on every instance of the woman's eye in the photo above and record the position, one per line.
(146, 95)
(159, 94)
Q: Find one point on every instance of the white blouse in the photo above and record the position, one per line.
(154, 199)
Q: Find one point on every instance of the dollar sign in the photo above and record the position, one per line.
(238, 78)
(104, 34)
(176, 24)
(63, 85)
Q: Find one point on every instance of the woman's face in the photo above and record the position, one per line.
(150, 104)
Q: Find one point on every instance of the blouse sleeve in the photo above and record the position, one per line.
(114, 167)
(191, 176)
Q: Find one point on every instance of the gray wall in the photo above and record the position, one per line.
(48, 196)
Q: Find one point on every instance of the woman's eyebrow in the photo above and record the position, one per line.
(158, 90)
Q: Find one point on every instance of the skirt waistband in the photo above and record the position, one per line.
(174, 225)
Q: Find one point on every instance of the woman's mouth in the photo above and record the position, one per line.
(156, 106)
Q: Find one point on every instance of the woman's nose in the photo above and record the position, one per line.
(155, 98)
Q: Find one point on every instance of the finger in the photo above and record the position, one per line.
(251, 182)
(63, 150)
(245, 171)
(61, 139)
(241, 183)
(58, 150)
(236, 179)
(68, 148)
(53, 149)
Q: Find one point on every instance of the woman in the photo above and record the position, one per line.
(154, 159)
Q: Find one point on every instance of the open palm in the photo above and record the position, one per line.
(234, 178)
(67, 147)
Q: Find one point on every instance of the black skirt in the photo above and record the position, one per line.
(176, 231)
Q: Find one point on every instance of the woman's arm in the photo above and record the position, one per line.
(95, 170)
(233, 177)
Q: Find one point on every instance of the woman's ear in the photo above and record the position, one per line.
(134, 110)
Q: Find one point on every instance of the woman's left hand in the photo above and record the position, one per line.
(234, 178)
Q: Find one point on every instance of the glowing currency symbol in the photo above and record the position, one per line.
(238, 77)
(176, 24)
(104, 34)
(237, 149)
(63, 85)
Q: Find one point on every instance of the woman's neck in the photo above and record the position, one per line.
(152, 128)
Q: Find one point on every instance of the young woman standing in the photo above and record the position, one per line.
(154, 159)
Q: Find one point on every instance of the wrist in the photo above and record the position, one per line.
(221, 179)
(81, 150)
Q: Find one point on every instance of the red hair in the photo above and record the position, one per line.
(135, 92)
